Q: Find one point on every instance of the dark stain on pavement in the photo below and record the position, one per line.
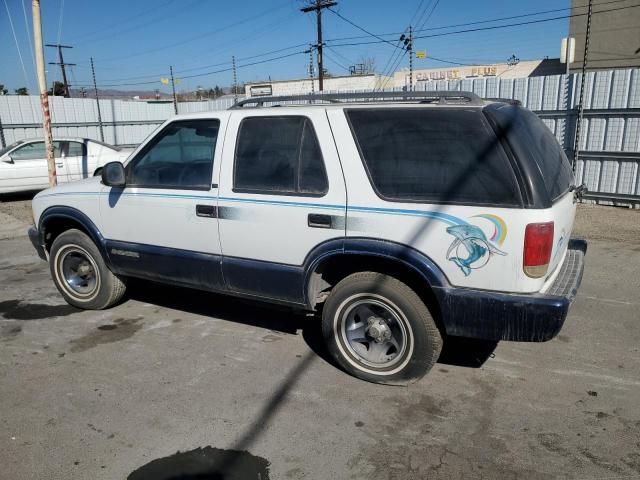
(9, 332)
(122, 329)
(17, 310)
(206, 463)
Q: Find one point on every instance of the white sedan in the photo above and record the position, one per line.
(23, 164)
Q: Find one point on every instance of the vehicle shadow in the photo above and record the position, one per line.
(18, 196)
(456, 351)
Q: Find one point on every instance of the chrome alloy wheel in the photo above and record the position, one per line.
(374, 331)
(77, 272)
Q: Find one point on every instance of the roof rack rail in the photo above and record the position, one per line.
(510, 101)
(435, 97)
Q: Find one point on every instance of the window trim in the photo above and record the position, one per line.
(131, 163)
(279, 192)
(433, 201)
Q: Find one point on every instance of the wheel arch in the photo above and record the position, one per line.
(408, 265)
(58, 219)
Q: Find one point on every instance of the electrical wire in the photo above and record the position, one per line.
(494, 27)
(15, 38)
(478, 22)
(28, 30)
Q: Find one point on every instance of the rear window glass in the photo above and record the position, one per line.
(532, 140)
(434, 155)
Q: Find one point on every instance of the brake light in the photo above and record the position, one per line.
(538, 242)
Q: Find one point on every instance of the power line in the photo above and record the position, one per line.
(198, 36)
(494, 27)
(478, 22)
(317, 7)
(184, 77)
(15, 38)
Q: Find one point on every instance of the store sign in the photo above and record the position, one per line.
(458, 73)
(261, 91)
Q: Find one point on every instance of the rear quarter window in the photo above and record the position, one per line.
(434, 155)
(533, 142)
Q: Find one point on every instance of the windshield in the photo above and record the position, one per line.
(10, 147)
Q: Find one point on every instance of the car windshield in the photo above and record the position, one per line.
(10, 147)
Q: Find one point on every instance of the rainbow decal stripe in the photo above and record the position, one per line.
(500, 232)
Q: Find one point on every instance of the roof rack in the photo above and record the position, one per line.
(434, 97)
(510, 101)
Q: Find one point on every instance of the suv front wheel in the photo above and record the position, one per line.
(378, 329)
(81, 275)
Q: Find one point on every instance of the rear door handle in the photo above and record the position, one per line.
(207, 211)
(318, 220)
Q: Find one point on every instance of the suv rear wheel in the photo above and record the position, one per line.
(378, 329)
(80, 273)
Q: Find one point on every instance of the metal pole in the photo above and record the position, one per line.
(95, 89)
(410, 49)
(235, 80)
(320, 59)
(44, 97)
(313, 88)
(173, 89)
(576, 144)
(567, 50)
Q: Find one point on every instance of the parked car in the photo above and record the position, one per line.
(23, 164)
(401, 220)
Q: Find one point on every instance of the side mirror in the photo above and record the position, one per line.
(113, 175)
(7, 159)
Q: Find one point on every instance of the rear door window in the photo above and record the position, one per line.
(279, 156)
(434, 155)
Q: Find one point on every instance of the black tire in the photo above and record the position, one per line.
(368, 303)
(91, 285)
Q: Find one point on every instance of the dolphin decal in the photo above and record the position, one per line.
(475, 242)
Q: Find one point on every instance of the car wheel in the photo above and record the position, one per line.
(80, 274)
(378, 329)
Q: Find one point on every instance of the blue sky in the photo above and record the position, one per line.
(142, 38)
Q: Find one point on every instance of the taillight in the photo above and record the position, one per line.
(538, 243)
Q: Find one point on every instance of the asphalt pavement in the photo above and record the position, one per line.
(175, 383)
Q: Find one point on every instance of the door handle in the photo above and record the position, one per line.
(59, 164)
(209, 211)
(318, 220)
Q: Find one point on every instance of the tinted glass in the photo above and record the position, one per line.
(532, 141)
(434, 155)
(279, 155)
(75, 149)
(34, 151)
(180, 156)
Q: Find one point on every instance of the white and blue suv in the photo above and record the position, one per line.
(401, 218)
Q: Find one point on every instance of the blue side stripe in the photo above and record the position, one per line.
(444, 217)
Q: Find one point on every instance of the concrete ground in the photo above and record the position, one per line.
(174, 383)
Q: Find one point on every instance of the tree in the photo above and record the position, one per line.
(57, 90)
(22, 91)
(368, 64)
(3, 91)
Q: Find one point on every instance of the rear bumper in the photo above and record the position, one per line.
(34, 237)
(523, 318)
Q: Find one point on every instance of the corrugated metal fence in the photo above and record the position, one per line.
(609, 161)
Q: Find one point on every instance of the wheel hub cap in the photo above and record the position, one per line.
(378, 329)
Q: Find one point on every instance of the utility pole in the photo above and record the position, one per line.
(318, 6)
(313, 88)
(44, 97)
(173, 89)
(410, 50)
(576, 142)
(60, 62)
(235, 80)
(408, 46)
(95, 89)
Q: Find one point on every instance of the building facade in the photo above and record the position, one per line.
(614, 38)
